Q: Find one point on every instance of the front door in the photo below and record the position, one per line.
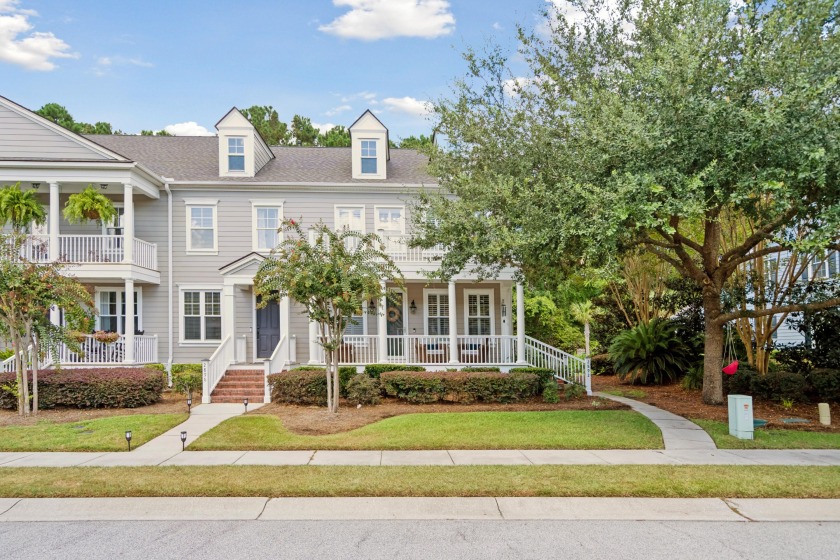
(396, 324)
(268, 329)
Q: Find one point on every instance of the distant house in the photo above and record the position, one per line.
(173, 274)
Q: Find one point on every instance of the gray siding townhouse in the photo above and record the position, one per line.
(173, 274)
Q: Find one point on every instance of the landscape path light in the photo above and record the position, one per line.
(183, 440)
(128, 438)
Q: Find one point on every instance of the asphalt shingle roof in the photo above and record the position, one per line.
(195, 158)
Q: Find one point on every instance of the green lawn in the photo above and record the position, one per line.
(100, 434)
(666, 481)
(568, 429)
(769, 439)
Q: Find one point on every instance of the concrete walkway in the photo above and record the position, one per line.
(813, 457)
(265, 509)
(678, 433)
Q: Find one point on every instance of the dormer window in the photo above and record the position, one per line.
(369, 156)
(236, 154)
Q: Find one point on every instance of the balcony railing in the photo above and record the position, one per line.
(397, 247)
(94, 352)
(426, 350)
(88, 249)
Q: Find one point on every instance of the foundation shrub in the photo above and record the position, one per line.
(474, 369)
(460, 387)
(545, 375)
(573, 391)
(364, 389)
(825, 384)
(551, 394)
(92, 388)
(299, 386)
(345, 374)
(375, 370)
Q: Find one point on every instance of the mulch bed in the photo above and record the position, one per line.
(689, 404)
(171, 403)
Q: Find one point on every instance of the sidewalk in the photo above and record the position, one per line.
(285, 509)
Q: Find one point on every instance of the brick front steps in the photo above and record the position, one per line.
(239, 384)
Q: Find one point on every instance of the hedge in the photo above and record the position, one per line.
(546, 375)
(299, 386)
(772, 386)
(375, 370)
(825, 384)
(92, 388)
(459, 387)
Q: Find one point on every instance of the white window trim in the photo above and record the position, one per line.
(375, 158)
(467, 294)
(337, 207)
(228, 153)
(259, 204)
(376, 216)
(120, 298)
(198, 288)
(426, 293)
(190, 203)
(106, 227)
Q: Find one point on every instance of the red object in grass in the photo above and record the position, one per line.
(731, 368)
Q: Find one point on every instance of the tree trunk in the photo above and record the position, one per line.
(713, 348)
(336, 384)
(35, 355)
(328, 361)
(19, 377)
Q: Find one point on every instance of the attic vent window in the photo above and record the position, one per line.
(236, 154)
(368, 156)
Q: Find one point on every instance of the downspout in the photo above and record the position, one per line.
(171, 334)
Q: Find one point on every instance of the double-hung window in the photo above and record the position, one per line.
(351, 218)
(479, 312)
(236, 154)
(202, 315)
(202, 230)
(437, 313)
(369, 156)
(266, 227)
(111, 306)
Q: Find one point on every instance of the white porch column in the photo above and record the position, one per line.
(506, 291)
(520, 324)
(128, 223)
(314, 347)
(228, 311)
(128, 326)
(453, 325)
(382, 326)
(54, 221)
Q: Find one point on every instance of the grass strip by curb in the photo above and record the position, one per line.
(566, 429)
(99, 434)
(683, 481)
(768, 438)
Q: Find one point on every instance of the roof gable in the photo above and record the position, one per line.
(25, 135)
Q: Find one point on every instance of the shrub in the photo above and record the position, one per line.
(480, 369)
(92, 388)
(740, 383)
(186, 368)
(778, 385)
(693, 380)
(826, 384)
(186, 381)
(375, 370)
(573, 391)
(551, 394)
(345, 374)
(299, 386)
(546, 375)
(651, 353)
(364, 389)
(459, 387)
(602, 365)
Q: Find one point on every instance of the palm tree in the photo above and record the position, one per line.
(21, 208)
(584, 312)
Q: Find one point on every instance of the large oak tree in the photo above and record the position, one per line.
(640, 125)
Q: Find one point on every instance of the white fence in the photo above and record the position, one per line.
(214, 369)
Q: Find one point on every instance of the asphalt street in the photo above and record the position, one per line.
(231, 540)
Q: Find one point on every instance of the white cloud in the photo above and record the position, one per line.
(190, 128)
(497, 26)
(105, 63)
(370, 20)
(408, 105)
(34, 51)
(336, 110)
(576, 13)
(515, 86)
(323, 128)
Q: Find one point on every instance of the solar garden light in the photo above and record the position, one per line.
(183, 440)
(245, 402)
(128, 438)
(189, 405)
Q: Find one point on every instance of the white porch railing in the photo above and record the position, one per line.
(87, 249)
(397, 247)
(565, 366)
(359, 349)
(278, 361)
(214, 369)
(145, 254)
(8, 365)
(94, 352)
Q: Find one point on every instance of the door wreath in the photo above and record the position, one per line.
(393, 314)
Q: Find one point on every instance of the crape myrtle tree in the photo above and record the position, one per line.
(332, 275)
(638, 125)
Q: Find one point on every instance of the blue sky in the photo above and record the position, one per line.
(154, 63)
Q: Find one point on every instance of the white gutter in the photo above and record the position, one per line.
(171, 339)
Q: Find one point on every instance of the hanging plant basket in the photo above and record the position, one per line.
(89, 206)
